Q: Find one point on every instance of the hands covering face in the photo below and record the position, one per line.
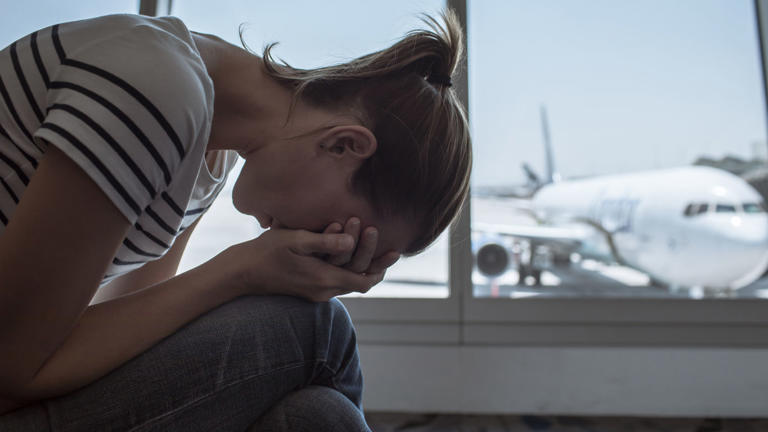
(360, 259)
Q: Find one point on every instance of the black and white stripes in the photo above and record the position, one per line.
(138, 130)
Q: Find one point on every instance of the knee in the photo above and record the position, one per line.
(287, 330)
(251, 310)
(316, 327)
(335, 314)
(313, 408)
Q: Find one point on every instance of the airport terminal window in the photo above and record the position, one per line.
(596, 124)
(311, 34)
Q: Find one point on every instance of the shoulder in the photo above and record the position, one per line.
(130, 102)
(154, 51)
(142, 64)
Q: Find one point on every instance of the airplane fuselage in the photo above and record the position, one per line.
(689, 226)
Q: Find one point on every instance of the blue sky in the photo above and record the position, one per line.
(629, 85)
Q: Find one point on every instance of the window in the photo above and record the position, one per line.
(725, 208)
(690, 210)
(753, 207)
(23, 18)
(311, 34)
(591, 123)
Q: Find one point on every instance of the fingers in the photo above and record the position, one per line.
(358, 258)
(334, 281)
(309, 243)
(344, 281)
(366, 247)
(352, 227)
(333, 228)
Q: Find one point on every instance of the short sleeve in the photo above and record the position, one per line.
(127, 108)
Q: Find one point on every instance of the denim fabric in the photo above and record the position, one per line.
(312, 409)
(222, 372)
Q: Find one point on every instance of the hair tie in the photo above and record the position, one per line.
(437, 78)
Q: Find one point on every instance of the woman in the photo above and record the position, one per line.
(116, 133)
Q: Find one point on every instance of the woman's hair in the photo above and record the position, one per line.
(421, 168)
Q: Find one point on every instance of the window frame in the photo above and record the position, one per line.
(462, 319)
(597, 322)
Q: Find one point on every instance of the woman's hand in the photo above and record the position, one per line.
(287, 262)
(360, 259)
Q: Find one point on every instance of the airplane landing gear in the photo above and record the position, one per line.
(528, 273)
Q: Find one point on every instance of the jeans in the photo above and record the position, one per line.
(258, 363)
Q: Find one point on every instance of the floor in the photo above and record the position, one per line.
(393, 422)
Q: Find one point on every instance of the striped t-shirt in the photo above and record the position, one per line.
(127, 98)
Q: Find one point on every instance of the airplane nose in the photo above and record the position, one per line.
(747, 239)
(749, 233)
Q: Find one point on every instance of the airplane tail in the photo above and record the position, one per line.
(553, 175)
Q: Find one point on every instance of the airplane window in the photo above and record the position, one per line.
(725, 208)
(690, 210)
(703, 208)
(753, 208)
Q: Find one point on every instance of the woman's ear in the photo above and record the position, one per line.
(349, 141)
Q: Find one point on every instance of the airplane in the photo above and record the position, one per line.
(691, 226)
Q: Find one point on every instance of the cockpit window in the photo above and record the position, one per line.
(754, 207)
(725, 208)
(695, 209)
(690, 210)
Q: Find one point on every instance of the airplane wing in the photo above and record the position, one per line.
(571, 235)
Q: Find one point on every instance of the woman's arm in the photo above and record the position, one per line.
(55, 251)
(150, 273)
(53, 254)
(110, 333)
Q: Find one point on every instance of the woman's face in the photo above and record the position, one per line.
(299, 185)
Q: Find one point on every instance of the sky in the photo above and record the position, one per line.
(628, 85)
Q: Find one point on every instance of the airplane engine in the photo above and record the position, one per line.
(492, 259)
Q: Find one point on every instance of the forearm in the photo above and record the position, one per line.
(111, 333)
